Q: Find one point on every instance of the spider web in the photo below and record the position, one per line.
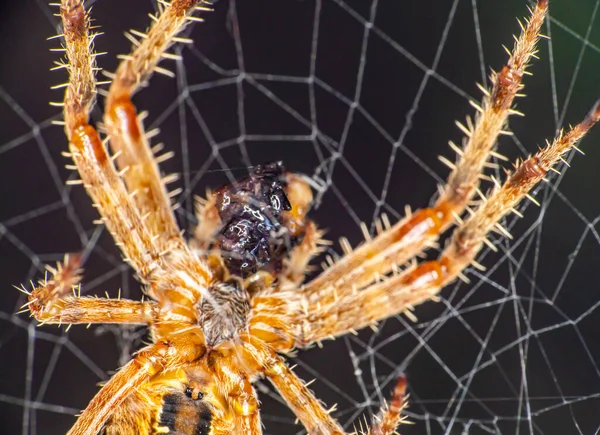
(361, 96)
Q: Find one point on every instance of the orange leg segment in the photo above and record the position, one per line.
(141, 173)
(391, 416)
(407, 238)
(413, 286)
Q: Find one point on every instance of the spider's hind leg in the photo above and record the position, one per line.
(97, 171)
(309, 410)
(391, 414)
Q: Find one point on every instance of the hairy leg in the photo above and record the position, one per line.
(298, 264)
(57, 301)
(128, 140)
(249, 425)
(302, 402)
(310, 411)
(209, 222)
(333, 316)
(391, 415)
(175, 276)
(73, 310)
(397, 244)
(96, 169)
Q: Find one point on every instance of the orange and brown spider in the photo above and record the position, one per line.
(226, 304)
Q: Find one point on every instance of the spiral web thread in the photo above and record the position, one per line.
(361, 97)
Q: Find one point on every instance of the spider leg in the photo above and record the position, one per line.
(176, 277)
(56, 301)
(249, 425)
(232, 369)
(128, 140)
(404, 290)
(297, 265)
(397, 244)
(73, 310)
(209, 222)
(310, 411)
(391, 415)
(300, 399)
(96, 169)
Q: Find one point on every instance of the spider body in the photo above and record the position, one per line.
(164, 407)
(225, 313)
(220, 320)
(183, 415)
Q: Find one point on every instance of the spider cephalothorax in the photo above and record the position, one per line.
(225, 304)
(224, 312)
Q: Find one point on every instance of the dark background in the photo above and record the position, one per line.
(514, 351)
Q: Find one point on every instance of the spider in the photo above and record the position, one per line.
(226, 305)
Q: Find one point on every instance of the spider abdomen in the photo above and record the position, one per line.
(181, 415)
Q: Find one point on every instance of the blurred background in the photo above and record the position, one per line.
(361, 96)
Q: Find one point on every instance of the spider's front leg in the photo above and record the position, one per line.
(302, 402)
(128, 140)
(259, 358)
(391, 416)
(404, 290)
(395, 245)
(148, 239)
